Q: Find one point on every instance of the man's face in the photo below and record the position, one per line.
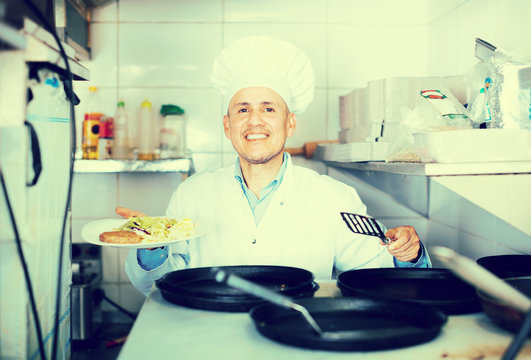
(258, 123)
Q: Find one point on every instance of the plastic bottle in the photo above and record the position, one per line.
(105, 143)
(91, 125)
(172, 132)
(147, 132)
(121, 146)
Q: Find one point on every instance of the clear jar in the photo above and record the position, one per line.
(172, 132)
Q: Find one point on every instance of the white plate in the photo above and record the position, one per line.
(91, 233)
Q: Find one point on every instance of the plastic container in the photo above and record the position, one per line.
(474, 145)
(172, 132)
(91, 125)
(148, 131)
(122, 148)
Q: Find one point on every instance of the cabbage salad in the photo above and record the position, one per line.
(157, 229)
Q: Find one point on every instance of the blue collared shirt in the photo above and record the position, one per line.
(260, 204)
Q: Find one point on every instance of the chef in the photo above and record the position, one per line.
(263, 210)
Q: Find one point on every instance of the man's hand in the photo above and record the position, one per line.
(405, 243)
(127, 213)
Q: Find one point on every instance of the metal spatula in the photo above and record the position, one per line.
(286, 302)
(364, 225)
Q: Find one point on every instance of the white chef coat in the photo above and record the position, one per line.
(302, 227)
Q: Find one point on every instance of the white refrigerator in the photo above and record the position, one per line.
(38, 210)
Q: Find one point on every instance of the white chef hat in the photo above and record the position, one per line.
(260, 61)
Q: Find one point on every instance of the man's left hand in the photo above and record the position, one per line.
(405, 243)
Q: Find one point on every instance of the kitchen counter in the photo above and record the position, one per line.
(164, 330)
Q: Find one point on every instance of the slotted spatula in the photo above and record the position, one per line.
(364, 225)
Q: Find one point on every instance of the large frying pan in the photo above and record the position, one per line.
(506, 266)
(197, 288)
(433, 287)
(382, 324)
(502, 314)
(516, 271)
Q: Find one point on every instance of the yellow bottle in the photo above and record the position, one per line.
(147, 132)
(91, 126)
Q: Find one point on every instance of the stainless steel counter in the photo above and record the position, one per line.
(439, 169)
(164, 330)
(183, 165)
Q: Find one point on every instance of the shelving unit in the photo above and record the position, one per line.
(183, 165)
(439, 169)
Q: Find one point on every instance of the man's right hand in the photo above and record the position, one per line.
(127, 213)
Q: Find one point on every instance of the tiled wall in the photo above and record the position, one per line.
(163, 49)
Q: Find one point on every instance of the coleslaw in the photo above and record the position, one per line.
(156, 229)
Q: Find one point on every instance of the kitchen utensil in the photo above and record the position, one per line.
(364, 225)
(224, 277)
(374, 324)
(485, 50)
(197, 288)
(495, 287)
(506, 266)
(434, 287)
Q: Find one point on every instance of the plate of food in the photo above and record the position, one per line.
(140, 232)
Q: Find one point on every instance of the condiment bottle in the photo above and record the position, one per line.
(121, 146)
(91, 125)
(172, 132)
(106, 138)
(147, 132)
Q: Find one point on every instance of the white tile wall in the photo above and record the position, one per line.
(104, 58)
(147, 192)
(312, 124)
(355, 57)
(170, 11)
(167, 54)
(378, 12)
(276, 11)
(164, 49)
(95, 196)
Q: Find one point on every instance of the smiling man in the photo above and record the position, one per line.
(257, 123)
(263, 210)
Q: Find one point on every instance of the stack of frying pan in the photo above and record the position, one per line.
(196, 288)
(386, 308)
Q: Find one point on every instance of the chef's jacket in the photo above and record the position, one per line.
(301, 227)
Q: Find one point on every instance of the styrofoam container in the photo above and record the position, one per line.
(474, 145)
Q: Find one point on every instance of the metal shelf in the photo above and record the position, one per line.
(439, 169)
(183, 165)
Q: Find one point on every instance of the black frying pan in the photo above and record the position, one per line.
(434, 287)
(197, 288)
(382, 324)
(503, 315)
(505, 266)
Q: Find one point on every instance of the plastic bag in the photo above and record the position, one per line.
(498, 93)
(440, 111)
